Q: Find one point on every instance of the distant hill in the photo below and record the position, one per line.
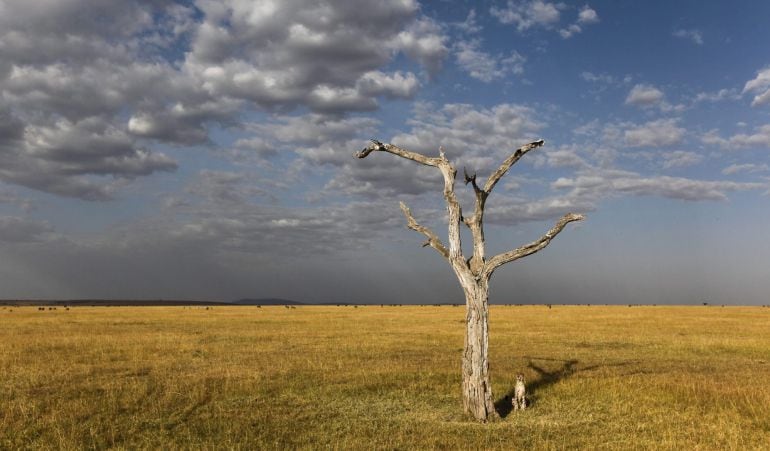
(266, 301)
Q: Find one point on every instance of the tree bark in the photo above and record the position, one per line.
(477, 388)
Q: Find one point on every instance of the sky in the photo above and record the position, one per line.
(204, 149)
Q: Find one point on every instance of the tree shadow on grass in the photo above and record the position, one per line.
(545, 378)
(504, 407)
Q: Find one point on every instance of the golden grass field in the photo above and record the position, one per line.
(381, 378)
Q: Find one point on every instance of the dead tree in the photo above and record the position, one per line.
(474, 272)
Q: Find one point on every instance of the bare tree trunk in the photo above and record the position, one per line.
(477, 389)
(475, 272)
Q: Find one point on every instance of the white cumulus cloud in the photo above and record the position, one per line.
(644, 96)
(760, 87)
(680, 159)
(586, 16)
(746, 167)
(528, 14)
(760, 137)
(659, 133)
(485, 66)
(695, 36)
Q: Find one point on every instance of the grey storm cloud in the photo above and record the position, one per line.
(21, 230)
(91, 95)
(281, 55)
(324, 55)
(315, 129)
(59, 157)
(223, 212)
(65, 80)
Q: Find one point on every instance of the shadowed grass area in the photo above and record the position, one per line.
(382, 377)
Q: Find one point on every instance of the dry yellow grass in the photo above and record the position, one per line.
(381, 377)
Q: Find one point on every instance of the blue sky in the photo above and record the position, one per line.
(203, 150)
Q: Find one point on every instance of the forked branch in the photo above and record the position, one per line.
(433, 239)
(472, 180)
(531, 248)
(481, 197)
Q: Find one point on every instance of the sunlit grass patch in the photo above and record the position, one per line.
(382, 377)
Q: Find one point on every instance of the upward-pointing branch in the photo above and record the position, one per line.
(481, 197)
(495, 177)
(472, 180)
(531, 248)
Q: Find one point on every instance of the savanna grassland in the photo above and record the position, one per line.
(381, 377)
